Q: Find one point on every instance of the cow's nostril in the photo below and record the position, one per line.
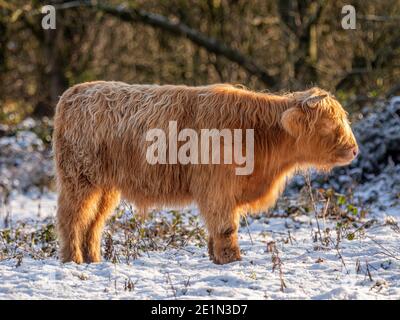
(355, 151)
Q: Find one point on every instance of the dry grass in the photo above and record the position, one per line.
(127, 236)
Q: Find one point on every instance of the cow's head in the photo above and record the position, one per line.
(321, 128)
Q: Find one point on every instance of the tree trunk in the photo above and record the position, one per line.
(54, 72)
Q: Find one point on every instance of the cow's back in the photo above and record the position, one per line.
(100, 134)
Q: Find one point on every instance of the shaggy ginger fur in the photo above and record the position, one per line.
(100, 149)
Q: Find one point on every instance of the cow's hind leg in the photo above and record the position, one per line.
(77, 204)
(222, 227)
(92, 246)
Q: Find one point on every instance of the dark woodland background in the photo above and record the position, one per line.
(265, 45)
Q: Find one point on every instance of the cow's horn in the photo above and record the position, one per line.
(312, 101)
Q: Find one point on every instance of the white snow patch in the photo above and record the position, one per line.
(189, 274)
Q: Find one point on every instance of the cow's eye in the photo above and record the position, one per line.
(339, 135)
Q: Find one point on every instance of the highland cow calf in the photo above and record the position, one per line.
(100, 149)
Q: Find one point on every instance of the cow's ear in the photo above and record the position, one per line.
(293, 121)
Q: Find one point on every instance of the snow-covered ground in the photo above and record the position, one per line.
(366, 267)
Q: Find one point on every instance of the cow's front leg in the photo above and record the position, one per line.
(211, 247)
(225, 246)
(223, 235)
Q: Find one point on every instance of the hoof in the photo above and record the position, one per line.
(227, 255)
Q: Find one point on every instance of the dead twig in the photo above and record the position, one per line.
(386, 251)
(337, 247)
(308, 182)
(169, 281)
(248, 230)
(276, 262)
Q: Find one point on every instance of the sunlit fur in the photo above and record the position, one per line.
(100, 148)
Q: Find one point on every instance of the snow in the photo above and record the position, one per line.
(27, 207)
(309, 272)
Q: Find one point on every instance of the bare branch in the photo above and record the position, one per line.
(375, 18)
(178, 29)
